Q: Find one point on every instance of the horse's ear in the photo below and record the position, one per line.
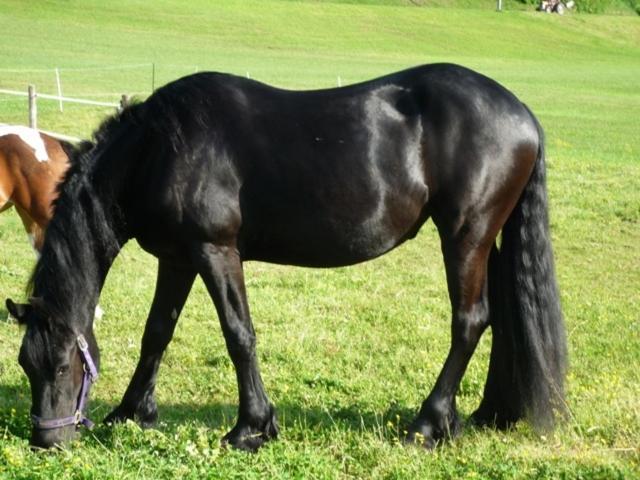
(18, 310)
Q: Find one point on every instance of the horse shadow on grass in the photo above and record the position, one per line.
(15, 402)
(219, 417)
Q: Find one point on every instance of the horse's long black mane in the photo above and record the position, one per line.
(72, 150)
(82, 237)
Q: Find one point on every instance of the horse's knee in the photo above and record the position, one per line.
(469, 326)
(241, 343)
(157, 335)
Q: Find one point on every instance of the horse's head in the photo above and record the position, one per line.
(61, 364)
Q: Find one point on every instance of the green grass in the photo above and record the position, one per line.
(347, 355)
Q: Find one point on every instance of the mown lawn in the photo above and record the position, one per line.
(348, 354)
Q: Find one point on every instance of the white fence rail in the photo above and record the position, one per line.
(62, 99)
(33, 106)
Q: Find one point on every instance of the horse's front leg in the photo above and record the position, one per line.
(172, 288)
(34, 231)
(466, 268)
(221, 269)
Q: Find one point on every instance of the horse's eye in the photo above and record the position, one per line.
(61, 371)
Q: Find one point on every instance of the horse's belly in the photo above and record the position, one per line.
(327, 243)
(321, 251)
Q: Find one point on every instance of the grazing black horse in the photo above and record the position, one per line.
(213, 170)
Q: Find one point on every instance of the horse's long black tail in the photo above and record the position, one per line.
(529, 352)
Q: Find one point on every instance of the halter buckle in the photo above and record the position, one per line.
(82, 343)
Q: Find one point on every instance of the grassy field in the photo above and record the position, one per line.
(348, 354)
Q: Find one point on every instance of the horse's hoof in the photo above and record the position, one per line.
(417, 439)
(146, 415)
(481, 418)
(427, 434)
(118, 415)
(488, 416)
(147, 420)
(246, 439)
(250, 439)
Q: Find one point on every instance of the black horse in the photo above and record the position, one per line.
(213, 170)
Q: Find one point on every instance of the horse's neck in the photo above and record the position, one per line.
(81, 244)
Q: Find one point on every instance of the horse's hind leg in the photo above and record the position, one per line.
(466, 268)
(221, 269)
(172, 288)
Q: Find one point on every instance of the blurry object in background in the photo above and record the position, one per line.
(555, 6)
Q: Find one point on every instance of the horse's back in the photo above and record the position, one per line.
(301, 176)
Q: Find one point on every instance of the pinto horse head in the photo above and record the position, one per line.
(60, 365)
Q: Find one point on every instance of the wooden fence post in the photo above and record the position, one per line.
(33, 108)
(125, 100)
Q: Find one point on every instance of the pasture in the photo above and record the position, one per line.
(347, 355)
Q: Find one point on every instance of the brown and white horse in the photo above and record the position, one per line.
(31, 165)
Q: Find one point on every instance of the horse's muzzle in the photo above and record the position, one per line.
(45, 439)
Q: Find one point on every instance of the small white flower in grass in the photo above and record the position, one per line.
(191, 449)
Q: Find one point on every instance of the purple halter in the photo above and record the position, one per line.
(89, 377)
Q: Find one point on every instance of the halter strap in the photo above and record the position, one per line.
(89, 376)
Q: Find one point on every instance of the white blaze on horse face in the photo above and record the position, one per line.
(29, 136)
